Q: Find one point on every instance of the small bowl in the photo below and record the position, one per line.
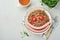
(32, 9)
(24, 5)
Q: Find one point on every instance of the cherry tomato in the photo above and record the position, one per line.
(33, 19)
(40, 17)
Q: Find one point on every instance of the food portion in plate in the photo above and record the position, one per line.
(38, 18)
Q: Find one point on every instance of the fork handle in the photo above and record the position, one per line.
(48, 33)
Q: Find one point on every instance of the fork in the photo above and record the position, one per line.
(47, 34)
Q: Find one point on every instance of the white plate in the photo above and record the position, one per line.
(31, 9)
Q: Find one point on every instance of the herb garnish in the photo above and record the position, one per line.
(25, 33)
(33, 15)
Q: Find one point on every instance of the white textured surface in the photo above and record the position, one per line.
(11, 18)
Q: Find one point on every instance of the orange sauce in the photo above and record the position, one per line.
(24, 2)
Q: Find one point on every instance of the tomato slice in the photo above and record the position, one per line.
(33, 19)
(40, 17)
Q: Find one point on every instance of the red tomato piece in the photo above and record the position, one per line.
(33, 19)
(40, 17)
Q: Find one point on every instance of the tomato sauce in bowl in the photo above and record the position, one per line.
(24, 2)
